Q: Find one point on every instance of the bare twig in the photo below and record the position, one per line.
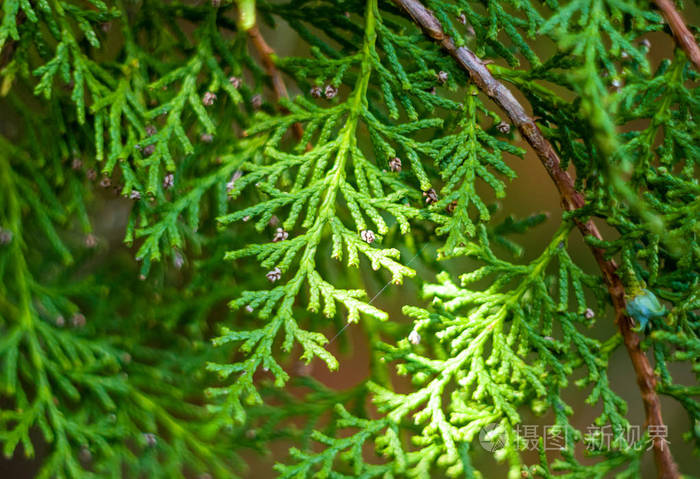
(684, 38)
(267, 56)
(8, 51)
(571, 200)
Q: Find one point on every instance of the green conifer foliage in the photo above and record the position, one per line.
(190, 221)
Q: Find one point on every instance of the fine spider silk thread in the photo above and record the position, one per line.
(376, 295)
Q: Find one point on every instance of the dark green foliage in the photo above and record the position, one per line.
(161, 118)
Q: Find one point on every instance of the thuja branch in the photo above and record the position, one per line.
(571, 200)
(685, 39)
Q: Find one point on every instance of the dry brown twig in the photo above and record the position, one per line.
(571, 200)
(267, 56)
(6, 54)
(684, 38)
(8, 50)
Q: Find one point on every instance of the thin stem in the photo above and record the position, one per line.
(571, 200)
(267, 55)
(7, 52)
(684, 38)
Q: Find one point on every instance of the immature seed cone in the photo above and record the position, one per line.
(367, 236)
(430, 196)
(209, 98)
(280, 235)
(168, 181)
(330, 91)
(316, 91)
(274, 275)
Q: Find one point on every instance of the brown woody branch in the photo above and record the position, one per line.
(6, 54)
(267, 56)
(571, 200)
(684, 38)
(8, 51)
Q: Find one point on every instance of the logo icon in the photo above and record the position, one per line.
(492, 437)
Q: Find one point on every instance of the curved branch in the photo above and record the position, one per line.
(267, 56)
(684, 38)
(8, 51)
(6, 54)
(571, 200)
